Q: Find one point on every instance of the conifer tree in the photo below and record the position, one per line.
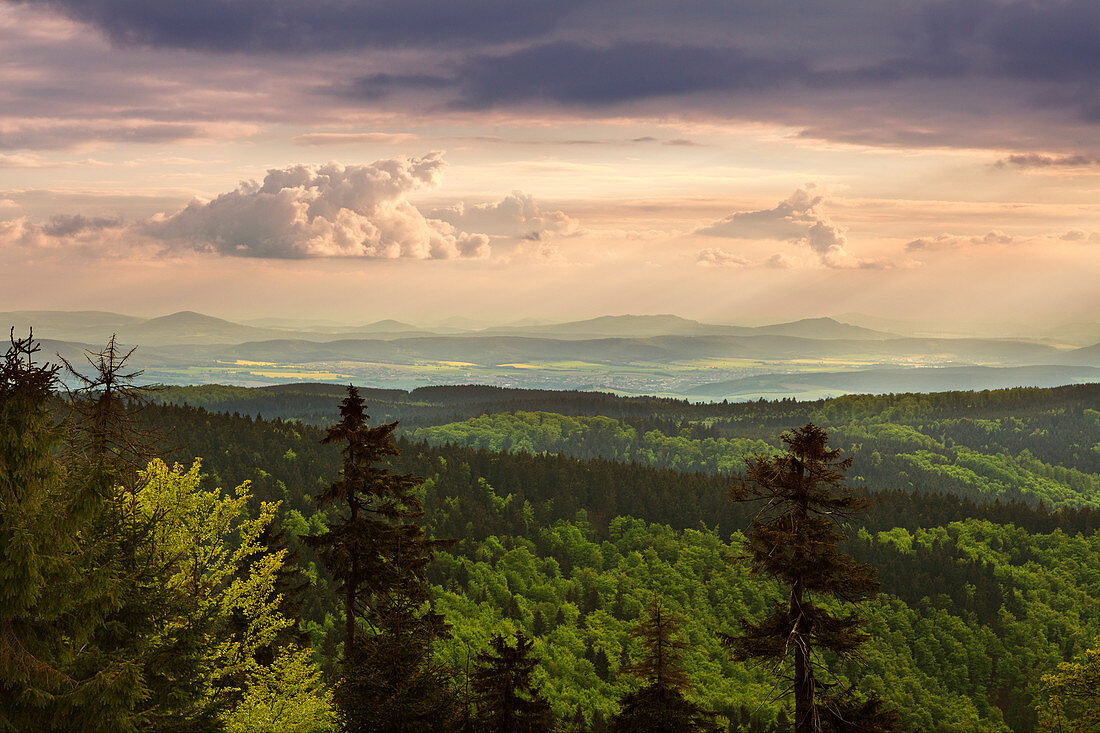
(35, 540)
(794, 539)
(659, 706)
(157, 666)
(120, 588)
(507, 699)
(378, 555)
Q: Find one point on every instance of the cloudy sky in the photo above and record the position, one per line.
(498, 159)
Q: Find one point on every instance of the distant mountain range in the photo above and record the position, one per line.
(189, 327)
(494, 350)
(630, 326)
(638, 353)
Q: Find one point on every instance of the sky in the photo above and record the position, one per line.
(732, 161)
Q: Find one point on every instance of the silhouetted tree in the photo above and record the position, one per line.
(378, 555)
(507, 699)
(659, 706)
(794, 538)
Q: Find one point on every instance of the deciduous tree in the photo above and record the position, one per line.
(1071, 696)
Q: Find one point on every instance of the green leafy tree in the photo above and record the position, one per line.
(1071, 696)
(215, 551)
(659, 706)
(794, 539)
(507, 699)
(378, 554)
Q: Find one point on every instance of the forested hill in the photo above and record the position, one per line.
(1041, 446)
(317, 404)
(983, 531)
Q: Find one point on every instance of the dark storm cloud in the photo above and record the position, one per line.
(1052, 41)
(302, 26)
(584, 75)
(379, 86)
(67, 225)
(1015, 74)
(1038, 160)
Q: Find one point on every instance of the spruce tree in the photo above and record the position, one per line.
(659, 706)
(507, 699)
(36, 541)
(794, 539)
(156, 667)
(378, 555)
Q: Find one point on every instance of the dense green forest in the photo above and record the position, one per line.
(571, 512)
(983, 532)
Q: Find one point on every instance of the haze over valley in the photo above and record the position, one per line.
(662, 355)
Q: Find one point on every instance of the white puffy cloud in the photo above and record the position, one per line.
(330, 210)
(518, 215)
(789, 219)
(66, 236)
(1077, 235)
(715, 257)
(799, 219)
(780, 261)
(956, 241)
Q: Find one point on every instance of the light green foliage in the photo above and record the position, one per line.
(887, 435)
(220, 563)
(287, 696)
(1071, 696)
(937, 664)
(213, 538)
(1001, 475)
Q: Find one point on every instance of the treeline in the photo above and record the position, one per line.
(437, 405)
(285, 461)
(1036, 445)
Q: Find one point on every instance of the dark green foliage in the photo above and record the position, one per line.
(378, 556)
(794, 539)
(659, 706)
(507, 699)
(847, 712)
(36, 543)
(84, 642)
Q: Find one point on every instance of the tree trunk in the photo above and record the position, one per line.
(349, 594)
(805, 720)
(805, 717)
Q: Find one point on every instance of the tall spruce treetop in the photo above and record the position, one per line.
(378, 554)
(507, 699)
(660, 706)
(372, 499)
(794, 538)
